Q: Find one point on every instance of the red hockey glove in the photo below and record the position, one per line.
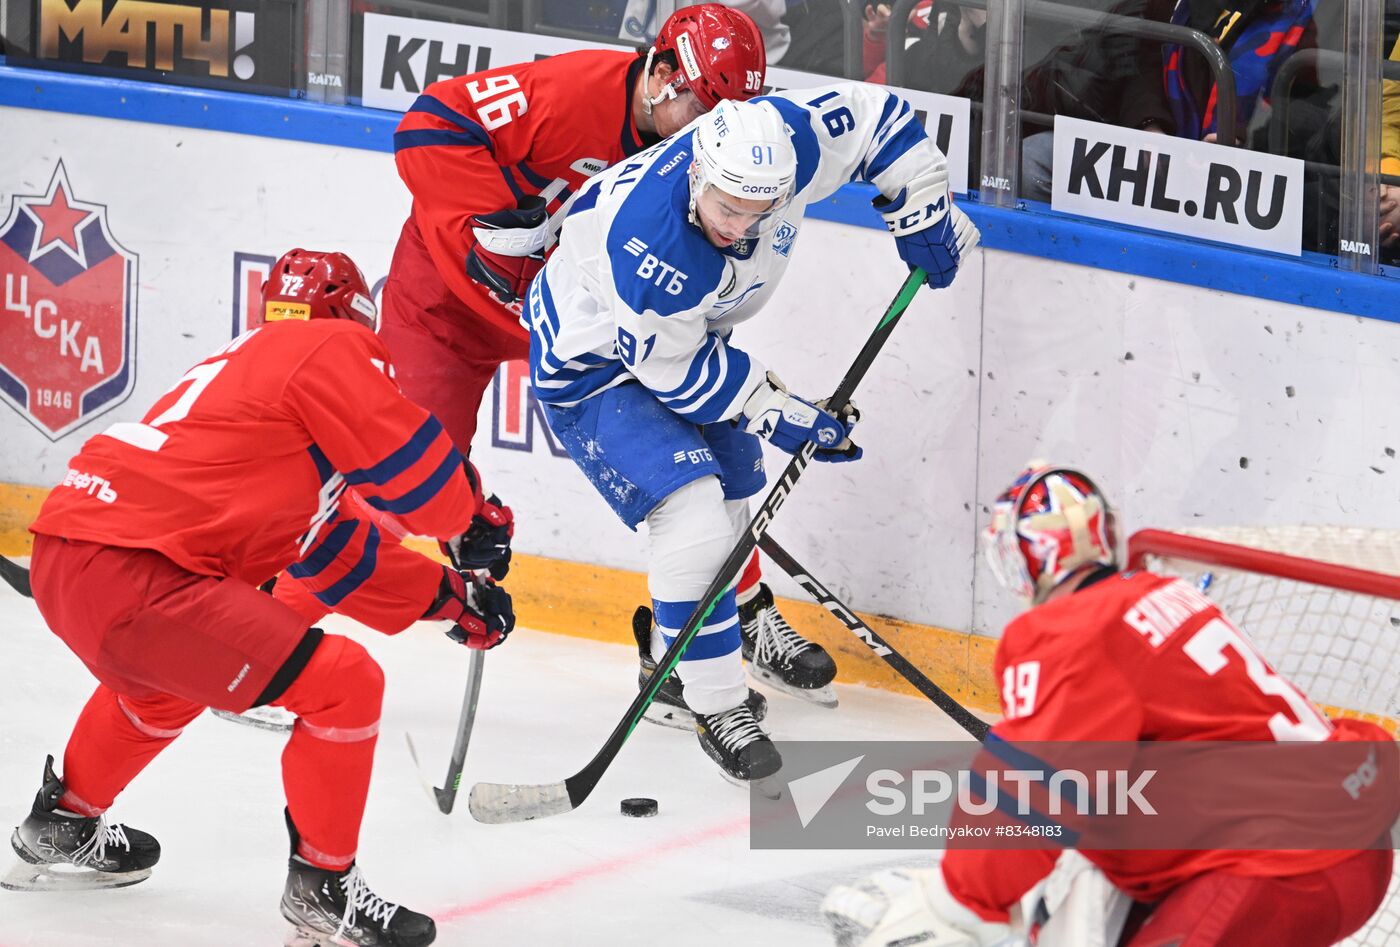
(480, 611)
(509, 248)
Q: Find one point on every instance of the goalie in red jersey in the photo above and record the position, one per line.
(1133, 658)
(147, 561)
(492, 160)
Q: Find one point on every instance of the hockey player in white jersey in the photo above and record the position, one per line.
(660, 258)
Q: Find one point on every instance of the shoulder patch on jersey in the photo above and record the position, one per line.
(783, 238)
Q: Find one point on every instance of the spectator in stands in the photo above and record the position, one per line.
(1093, 74)
(875, 33)
(1390, 160)
(636, 21)
(1180, 96)
(1315, 133)
(818, 36)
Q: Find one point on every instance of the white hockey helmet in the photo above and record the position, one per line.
(742, 150)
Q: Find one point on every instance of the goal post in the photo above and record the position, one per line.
(1322, 604)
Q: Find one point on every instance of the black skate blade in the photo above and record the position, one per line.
(824, 696)
(259, 718)
(26, 877)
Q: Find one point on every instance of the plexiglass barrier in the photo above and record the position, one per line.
(1270, 127)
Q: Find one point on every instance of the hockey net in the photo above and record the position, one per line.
(1323, 606)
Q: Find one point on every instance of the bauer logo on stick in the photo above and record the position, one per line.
(68, 322)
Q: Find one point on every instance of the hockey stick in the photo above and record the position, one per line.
(446, 796)
(16, 576)
(506, 802)
(964, 718)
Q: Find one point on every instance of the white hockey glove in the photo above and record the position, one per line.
(788, 422)
(509, 248)
(930, 231)
(905, 906)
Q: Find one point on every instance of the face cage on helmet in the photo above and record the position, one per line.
(1002, 539)
(719, 199)
(1001, 545)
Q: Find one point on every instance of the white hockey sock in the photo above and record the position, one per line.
(691, 534)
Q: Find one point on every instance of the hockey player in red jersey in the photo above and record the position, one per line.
(1105, 655)
(491, 159)
(147, 561)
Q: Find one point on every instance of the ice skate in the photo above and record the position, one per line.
(668, 708)
(65, 851)
(734, 740)
(337, 909)
(781, 657)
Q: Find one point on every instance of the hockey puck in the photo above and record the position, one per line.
(639, 808)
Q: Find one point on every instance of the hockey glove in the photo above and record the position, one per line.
(930, 231)
(509, 248)
(788, 422)
(479, 611)
(486, 543)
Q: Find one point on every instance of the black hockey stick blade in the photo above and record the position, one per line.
(975, 726)
(509, 802)
(16, 576)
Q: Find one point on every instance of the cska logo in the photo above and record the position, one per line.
(68, 326)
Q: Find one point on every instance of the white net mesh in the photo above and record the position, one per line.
(1341, 647)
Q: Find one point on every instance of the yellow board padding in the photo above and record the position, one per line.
(19, 505)
(596, 602)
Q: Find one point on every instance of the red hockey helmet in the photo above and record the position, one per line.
(1050, 522)
(309, 284)
(719, 52)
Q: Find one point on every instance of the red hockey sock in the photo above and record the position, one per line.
(113, 740)
(748, 580)
(326, 765)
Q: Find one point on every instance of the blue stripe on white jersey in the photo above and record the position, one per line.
(713, 381)
(895, 147)
(557, 381)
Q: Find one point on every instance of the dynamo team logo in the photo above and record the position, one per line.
(68, 326)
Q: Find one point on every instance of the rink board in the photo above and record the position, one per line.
(1191, 404)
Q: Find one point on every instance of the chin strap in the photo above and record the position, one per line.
(668, 91)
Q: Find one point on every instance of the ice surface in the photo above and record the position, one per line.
(593, 876)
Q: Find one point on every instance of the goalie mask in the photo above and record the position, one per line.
(744, 173)
(309, 284)
(1050, 522)
(719, 55)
